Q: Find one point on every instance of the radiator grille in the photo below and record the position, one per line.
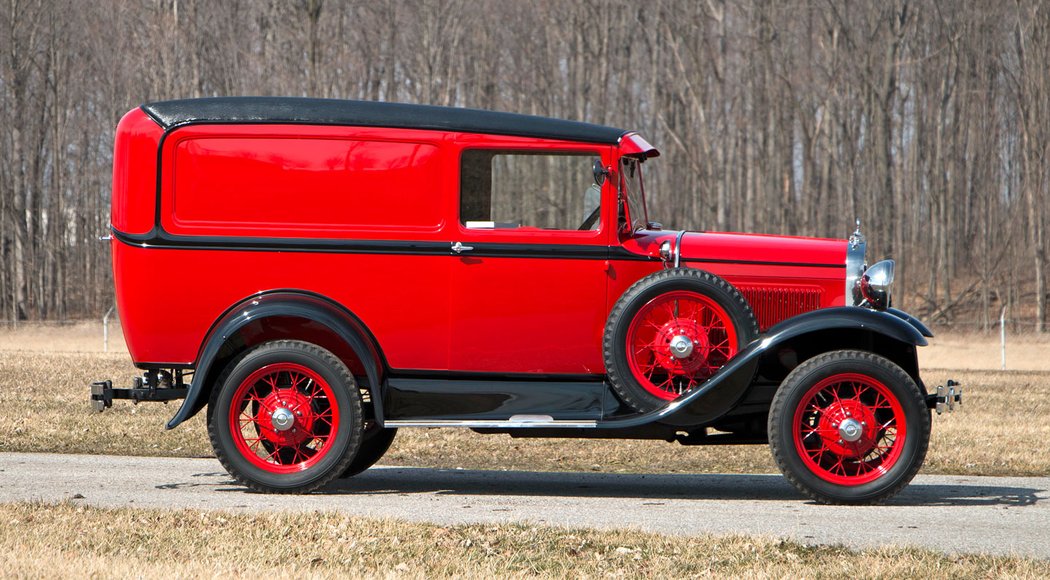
(774, 304)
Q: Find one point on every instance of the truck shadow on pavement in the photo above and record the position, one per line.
(970, 492)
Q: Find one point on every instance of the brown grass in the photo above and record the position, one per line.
(69, 541)
(59, 337)
(974, 351)
(44, 397)
(43, 391)
(45, 402)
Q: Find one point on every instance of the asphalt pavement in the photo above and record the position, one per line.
(952, 514)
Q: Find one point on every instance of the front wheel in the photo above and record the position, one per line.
(285, 417)
(849, 427)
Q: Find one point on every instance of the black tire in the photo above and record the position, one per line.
(633, 387)
(822, 464)
(374, 445)
(326, 446)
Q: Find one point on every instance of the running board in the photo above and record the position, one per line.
(515, 422)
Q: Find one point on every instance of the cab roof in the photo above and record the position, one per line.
(296, 110)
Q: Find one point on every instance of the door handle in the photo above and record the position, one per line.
(459, 248)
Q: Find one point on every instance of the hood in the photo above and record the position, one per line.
(780, 276)
(736, 248)
(762, 249)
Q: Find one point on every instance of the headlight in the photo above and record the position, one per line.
(876, 282)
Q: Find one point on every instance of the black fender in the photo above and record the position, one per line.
(725, 389)
(912, 321)
(284, 303)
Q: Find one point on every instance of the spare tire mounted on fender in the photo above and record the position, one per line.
(670, 332)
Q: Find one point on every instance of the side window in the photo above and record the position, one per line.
(523, 189)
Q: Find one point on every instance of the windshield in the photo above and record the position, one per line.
(633, 191)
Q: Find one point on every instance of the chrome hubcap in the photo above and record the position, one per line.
(282, 419)
(681, 346)
(850, 430)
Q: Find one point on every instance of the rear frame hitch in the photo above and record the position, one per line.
(946, 398)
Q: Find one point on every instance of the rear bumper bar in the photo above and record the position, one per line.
(946, 397)
(103, 393)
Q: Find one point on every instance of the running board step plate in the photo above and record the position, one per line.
(515, 422)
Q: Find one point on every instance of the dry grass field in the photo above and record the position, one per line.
(48, 337)
(44, 374)
(972, 351)
(68, 541)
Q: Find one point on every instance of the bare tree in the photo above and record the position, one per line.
(928, 120)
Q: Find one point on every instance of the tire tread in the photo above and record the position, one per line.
(777, 411)
(309, 349)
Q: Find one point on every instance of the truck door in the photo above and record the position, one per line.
(529, 272)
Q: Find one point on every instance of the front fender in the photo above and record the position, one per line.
(912, 321)
(283, 303)
(724, 390)
(889, 324)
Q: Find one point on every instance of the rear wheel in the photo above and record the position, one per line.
(374, 445)
(849, 427)
(285, 417)
(670, 332)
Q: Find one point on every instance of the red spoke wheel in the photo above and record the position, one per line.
(283, 417)
(849, 427)
(670, 332)
(286, 417)
(678, 340)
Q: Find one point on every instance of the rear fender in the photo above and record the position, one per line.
(851, 325)
(280, 304)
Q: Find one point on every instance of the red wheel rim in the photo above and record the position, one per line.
(284, 418)
(661, 330)
(849, 429)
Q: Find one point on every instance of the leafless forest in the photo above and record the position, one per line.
(928, 120)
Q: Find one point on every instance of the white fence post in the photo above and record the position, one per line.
(105, 329)
(1002, 335)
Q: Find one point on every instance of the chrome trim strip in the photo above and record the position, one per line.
(493, 424)
(856, 247)
(678, 248)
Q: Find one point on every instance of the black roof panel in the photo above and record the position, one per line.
(171, 114)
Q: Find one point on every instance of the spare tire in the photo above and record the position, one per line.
(670, 332)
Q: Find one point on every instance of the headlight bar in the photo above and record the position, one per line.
(856, 247)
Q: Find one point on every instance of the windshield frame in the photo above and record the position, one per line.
(637, 212)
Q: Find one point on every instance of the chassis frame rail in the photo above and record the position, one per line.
(103, 393)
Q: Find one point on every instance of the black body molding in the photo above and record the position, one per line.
(160, 239)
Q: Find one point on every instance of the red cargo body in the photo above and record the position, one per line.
(290, 182)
